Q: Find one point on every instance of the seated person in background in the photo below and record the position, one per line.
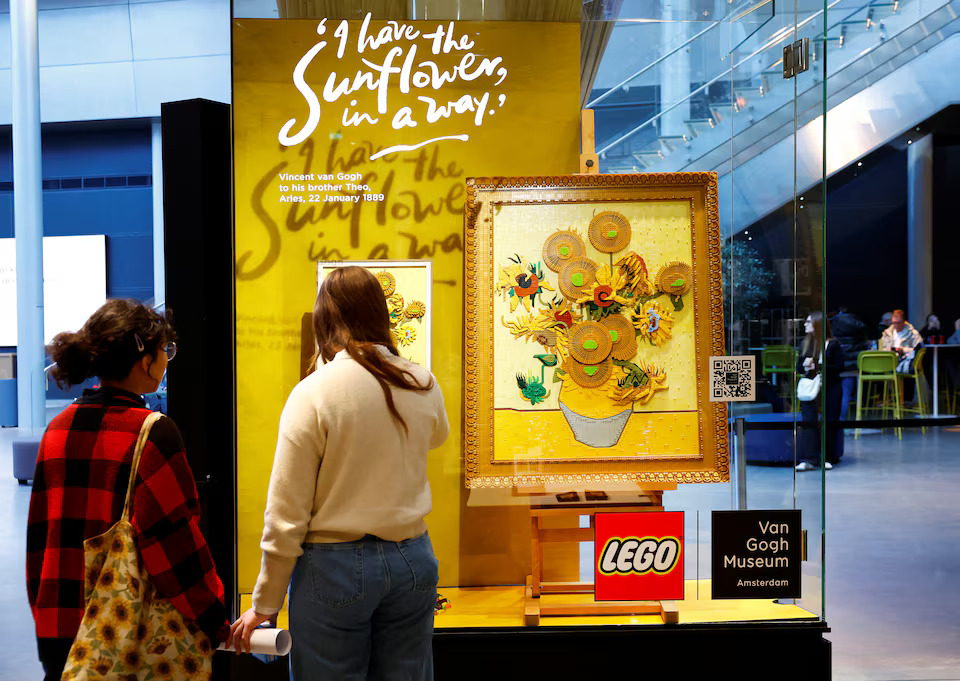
(955, 338)
(931, 331)
(932, 334)
(903, 339)
(950, 361)
(884, 323)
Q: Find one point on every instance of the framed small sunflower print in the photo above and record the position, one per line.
(407, 287)
(593, 304)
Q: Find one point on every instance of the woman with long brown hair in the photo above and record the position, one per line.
(822, 354)
(344, 524)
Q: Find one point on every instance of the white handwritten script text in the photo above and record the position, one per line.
(400, 68)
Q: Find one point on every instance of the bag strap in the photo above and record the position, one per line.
(135, 463)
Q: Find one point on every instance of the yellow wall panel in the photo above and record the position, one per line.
(529, 127)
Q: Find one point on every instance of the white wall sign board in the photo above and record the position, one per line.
(74, 286)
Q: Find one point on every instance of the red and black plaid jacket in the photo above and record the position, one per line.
(83, 469)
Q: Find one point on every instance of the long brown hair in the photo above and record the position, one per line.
(351, 314)
(110, 342)
(813, 342)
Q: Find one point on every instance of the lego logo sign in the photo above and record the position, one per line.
(639, 556)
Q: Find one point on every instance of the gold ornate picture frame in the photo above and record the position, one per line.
(593, 304)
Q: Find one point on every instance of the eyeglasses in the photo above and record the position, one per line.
(171, 349)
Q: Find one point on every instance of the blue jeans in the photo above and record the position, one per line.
(849, 388)
(363, 611)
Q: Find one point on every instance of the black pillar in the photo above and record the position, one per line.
(198, 242)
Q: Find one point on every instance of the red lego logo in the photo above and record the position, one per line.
(639, 556)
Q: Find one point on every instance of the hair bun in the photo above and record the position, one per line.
(74, 357)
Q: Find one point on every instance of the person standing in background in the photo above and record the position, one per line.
(852, 335)
(827, 360)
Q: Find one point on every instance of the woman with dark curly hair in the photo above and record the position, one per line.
(82, 475)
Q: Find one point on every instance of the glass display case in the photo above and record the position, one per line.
(615, 341)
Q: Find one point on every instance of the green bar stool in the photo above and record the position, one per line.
(780, 359)
(878, 366)
(919, 386)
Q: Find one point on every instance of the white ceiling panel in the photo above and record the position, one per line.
(182, 28)
(87, 92)
(90, 35)
(170, 80)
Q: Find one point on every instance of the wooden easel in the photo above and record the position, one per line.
(534, 608)
(589, 161)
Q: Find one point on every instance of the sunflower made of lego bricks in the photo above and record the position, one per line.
(577, 277)
(388, 283)
(590, 342)
(395, 306)
(561, 248)
(546, 337)
(622, 335)
(609, 232)
(588, 375)
(675, 279)
(416, 310)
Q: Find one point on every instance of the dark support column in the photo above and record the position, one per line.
(198, 240)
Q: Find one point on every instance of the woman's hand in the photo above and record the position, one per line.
(808, 363)
(241, 630)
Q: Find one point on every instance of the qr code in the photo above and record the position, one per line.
(732, 379)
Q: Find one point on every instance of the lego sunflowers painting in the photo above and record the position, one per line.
(596, 323)
(592, 308)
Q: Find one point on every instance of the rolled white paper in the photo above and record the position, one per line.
(266, 642)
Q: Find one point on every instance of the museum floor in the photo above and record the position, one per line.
(893, 555)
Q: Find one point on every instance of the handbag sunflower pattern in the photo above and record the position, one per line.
(129, 633)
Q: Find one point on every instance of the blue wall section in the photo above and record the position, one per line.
(90, 149)
(6, 175)
(124, 214)
(6, 155)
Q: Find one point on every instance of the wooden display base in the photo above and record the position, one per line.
(534, 607)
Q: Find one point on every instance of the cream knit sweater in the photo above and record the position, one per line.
(344, 467)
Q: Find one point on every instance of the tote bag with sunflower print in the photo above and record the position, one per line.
(129, 633)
